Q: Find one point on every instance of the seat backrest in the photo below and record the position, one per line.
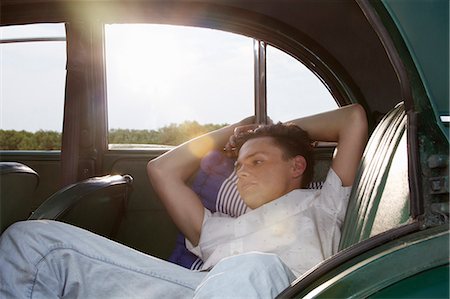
(97, 204)
(17, 185)
(379, 199)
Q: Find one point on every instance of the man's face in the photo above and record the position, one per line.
(263, 174)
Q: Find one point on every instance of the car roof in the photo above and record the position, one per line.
(424, 26)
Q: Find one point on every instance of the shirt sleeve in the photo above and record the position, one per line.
(333, 196)
(196, 249)
(332, 204)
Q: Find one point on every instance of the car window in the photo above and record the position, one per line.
(292, 89)
(33, 60)
(167, 84)
(170, 83)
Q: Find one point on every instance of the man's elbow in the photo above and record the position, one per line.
(358, 113)
(154, 170)
(358, 120)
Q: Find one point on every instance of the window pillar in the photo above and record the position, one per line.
(259, 52)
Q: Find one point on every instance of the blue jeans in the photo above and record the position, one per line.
(48, 259)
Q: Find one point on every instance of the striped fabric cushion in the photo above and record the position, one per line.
(228, 199)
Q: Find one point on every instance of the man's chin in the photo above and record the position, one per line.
(251, 201)
(248, 201)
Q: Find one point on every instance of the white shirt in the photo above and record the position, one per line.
(301, 227)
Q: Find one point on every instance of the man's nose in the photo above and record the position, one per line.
(242, 172)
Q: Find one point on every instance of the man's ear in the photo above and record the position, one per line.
(299, 166)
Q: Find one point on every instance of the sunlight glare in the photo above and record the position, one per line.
(163, 74)
(142, 61)
(201, 147)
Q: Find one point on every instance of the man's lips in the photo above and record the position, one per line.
(246, 185)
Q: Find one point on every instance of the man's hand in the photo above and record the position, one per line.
(230, 147)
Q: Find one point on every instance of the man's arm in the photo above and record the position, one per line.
(170, 172)
(348, 127)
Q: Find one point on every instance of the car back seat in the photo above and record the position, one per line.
(17, 185)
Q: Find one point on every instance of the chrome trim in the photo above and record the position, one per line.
(32, 40)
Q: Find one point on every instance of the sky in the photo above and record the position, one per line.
(156, 75)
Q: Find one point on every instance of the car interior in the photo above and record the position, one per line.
(105, 189)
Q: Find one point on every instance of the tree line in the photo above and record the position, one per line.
(172, 134)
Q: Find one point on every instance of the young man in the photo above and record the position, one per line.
(48, 259)
(302, 227)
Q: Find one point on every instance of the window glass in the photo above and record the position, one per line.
(167, 84)
(292, 89)
(32, 86)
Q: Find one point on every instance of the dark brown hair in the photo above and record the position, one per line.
(292, 140)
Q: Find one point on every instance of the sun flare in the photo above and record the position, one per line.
(143, 55)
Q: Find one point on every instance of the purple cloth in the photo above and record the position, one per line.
(214, 169)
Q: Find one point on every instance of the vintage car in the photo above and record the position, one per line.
(102, 78)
